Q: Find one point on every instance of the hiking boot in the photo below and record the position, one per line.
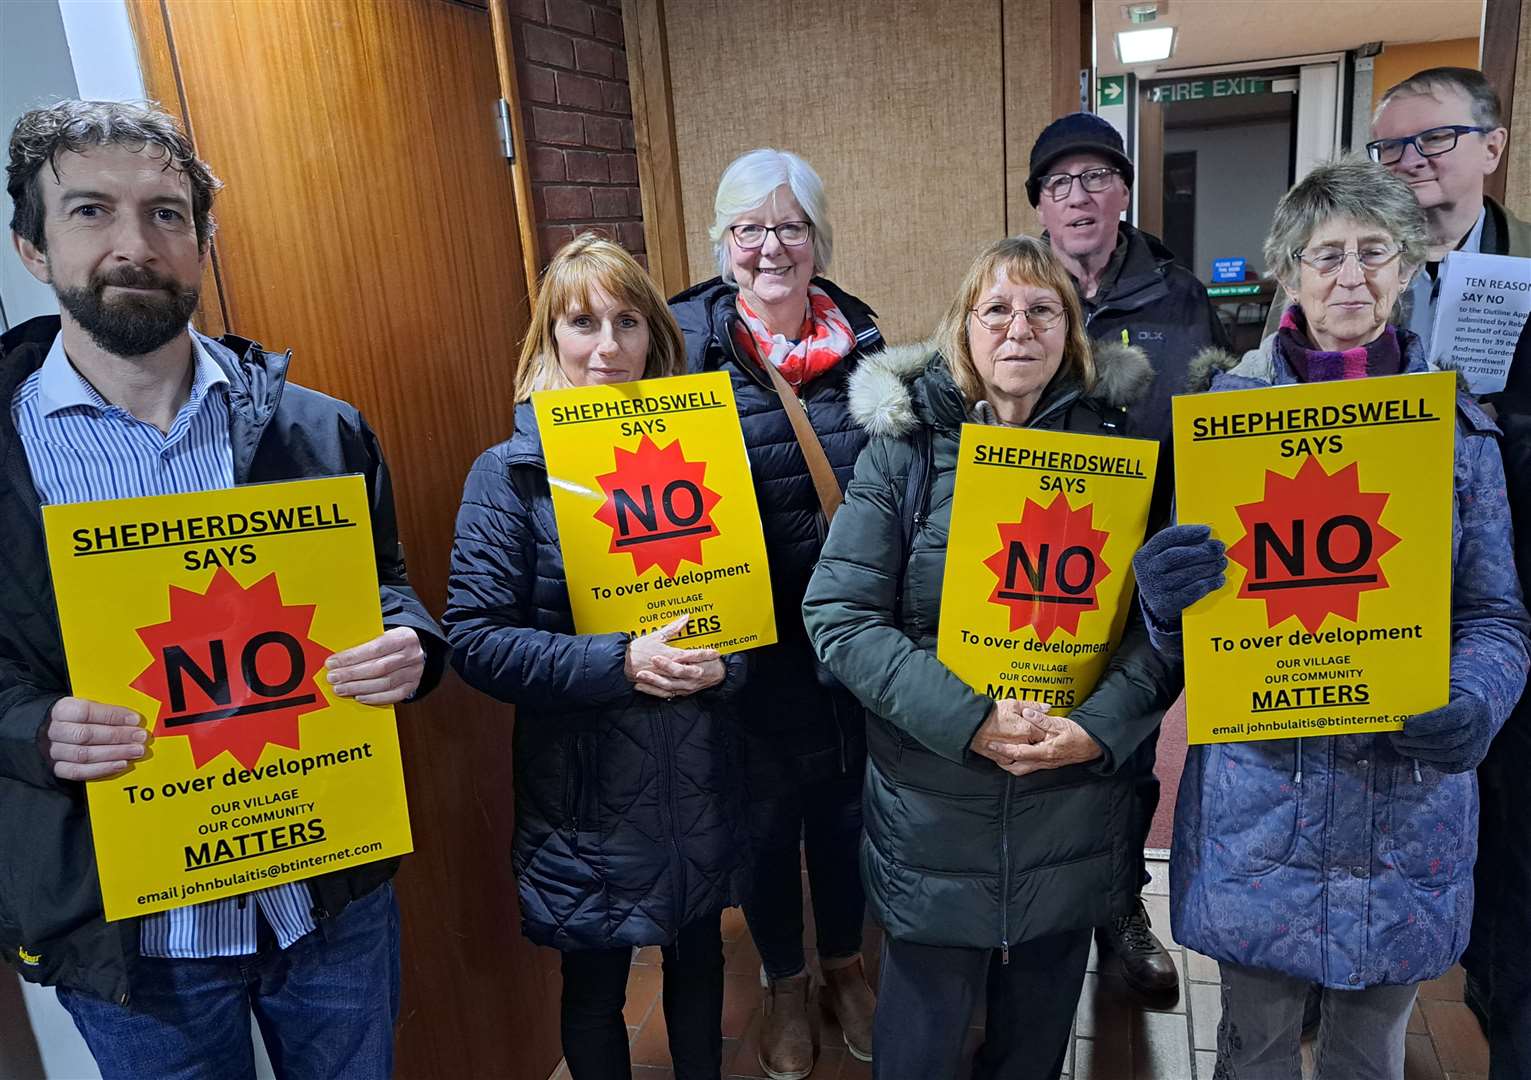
(1146, 965)
(787, 1042)
(848, 998)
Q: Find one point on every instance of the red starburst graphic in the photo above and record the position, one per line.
(1048, 566)
(1313, 545)
(233, 669)
(657, 507)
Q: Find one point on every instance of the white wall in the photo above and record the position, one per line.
(35, 68)
(1240, 174)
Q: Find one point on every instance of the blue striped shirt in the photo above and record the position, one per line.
(81, 448)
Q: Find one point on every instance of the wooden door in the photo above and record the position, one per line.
(369, 224)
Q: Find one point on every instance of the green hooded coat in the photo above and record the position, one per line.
(956, 851)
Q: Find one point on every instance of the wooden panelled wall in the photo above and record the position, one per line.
(919, 117)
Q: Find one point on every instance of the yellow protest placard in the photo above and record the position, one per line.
(212, 615)
(656, 510)
(1334, 499)
(1039, 559)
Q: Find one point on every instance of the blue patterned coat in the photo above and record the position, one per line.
(1336, 859)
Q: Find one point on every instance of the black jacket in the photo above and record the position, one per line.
(957, 852)
(50, 899)
(805, 718)
(1165, 311)
(629, 817)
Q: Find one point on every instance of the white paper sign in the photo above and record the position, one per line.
(1484, 300)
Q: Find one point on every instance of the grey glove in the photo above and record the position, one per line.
(1177, 567)
(1453, 738)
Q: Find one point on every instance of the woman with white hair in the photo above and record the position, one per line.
(790, 339)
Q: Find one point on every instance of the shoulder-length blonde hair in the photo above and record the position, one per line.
(581, 266)
(1025, 261)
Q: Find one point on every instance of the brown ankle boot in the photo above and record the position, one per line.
(787, 1042)
(848, 997)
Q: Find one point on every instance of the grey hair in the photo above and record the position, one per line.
(1356, 188)
(749, 181)
(1486, 109)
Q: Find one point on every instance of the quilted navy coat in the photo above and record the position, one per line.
(628, 807)
(793, 708)
(1336, 859)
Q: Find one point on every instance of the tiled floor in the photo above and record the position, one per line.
(1115, 1036)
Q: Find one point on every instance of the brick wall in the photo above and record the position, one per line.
(573, 73)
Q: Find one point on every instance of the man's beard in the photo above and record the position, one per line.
(136, 323)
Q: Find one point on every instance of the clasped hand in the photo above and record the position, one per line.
(656, 667)
(1021, 737)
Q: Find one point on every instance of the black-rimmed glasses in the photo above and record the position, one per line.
(1432, 142)
(1058, 185)
(998, 316)
(790, 233)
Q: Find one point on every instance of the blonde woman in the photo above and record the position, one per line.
(997, 835)
(628, 816)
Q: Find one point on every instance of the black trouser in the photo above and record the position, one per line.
(595, 988)
(926, 998)
(825, 817)
(1498, 958)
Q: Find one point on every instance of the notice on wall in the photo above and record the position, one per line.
(1334, 500)
(212, 615)
(656, 510)
(1479, 314)
(1038, 580)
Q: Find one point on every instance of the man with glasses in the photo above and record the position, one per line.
(1133, 292)
(1443, 132)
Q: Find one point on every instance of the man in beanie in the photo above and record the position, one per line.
(1132, 292)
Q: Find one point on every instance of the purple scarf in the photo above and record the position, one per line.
(1312, 364)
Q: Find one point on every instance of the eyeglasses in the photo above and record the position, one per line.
(1328, 260)
(1058, 185)
(1432, 142)
(998, 316)
(790, 233)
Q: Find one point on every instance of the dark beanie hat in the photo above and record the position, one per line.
(1072, 134)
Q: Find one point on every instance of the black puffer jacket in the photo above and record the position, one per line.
(1162, 309)
(50, 897)
(958, 852)
(796, 714)
(628, 808)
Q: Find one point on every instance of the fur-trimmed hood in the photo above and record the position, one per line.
(882, 389)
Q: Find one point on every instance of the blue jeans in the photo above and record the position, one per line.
(325, 1005)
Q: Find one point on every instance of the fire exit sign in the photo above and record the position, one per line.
(1204, 89)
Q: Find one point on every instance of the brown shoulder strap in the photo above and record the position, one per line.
(824, 481)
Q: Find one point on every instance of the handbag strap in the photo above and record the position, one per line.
(819, 469)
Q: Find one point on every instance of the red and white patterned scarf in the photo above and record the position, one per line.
(824, 340)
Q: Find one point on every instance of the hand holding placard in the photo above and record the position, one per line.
(383, 671)
(88, 740)
(1453, 738)
(1177, 567)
